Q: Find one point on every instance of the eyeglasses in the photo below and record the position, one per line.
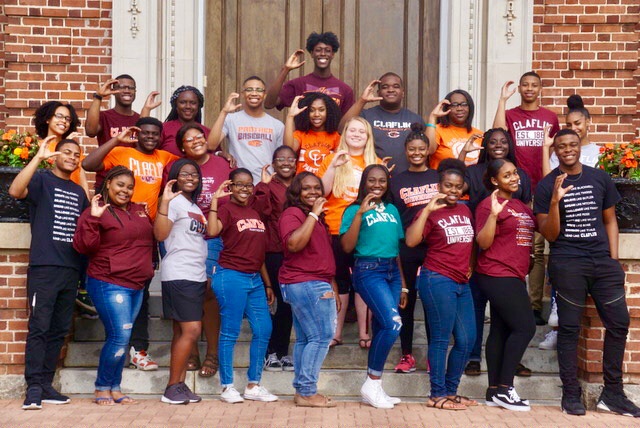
(61, 116)
(192, 139)
(124, 87)
(189, 174)
(258, 90)
(456, 105)
(289, 160)
(243, 185)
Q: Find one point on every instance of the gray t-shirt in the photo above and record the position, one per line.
(185, 245)
(252, 140)
(390, 131)
(588, 156)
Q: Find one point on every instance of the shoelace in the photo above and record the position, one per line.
(272, 358)
(287, 360)
(513, 395)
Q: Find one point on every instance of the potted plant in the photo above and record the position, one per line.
(16, 150)
(621, 162)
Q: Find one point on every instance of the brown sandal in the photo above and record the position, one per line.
(445, 403)
(193, 363)
(209, 366)
(461, 399)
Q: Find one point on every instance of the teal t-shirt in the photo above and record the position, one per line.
(380, 231)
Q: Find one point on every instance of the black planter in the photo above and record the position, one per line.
(11, 209)
(628, 209)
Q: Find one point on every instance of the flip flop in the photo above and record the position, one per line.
(125, 400)
(461, 399)
(103, 401)
(367, 343)
(334, 343)
(445, 403)
(210, 363)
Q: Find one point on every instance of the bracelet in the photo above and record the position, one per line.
(405, 290)
(97, 96)
(159, 213)
(314, 215)
(429, 125)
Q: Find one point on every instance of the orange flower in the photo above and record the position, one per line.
(602, 149)
(6, 136)
(25, 153)
(50, 161)
(12, 132)
(609, 157)
(609, 146)
(28, 140)
(624, 146)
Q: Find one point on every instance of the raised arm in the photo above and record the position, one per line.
(290, 126)
(214, 225)
(163, 225)
(339, 159)
(152, 102)
(272, 98)
(488, 232)
(440, 110)
(549, 224)
(367, 96)
(349, 239)
(413, 235)
(300, 237)
(500, 120)
(92, 123)
(546, 150)
(216, 135)
(94, 161)
(18, 188)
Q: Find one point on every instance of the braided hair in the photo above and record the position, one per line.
(114, 172)
(173, 114)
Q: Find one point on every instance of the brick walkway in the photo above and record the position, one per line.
(213, 413)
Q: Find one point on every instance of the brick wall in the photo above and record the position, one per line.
(590, 47)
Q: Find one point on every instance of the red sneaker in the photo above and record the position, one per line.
(407, 364)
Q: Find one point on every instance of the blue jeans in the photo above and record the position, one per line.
(241, 294)
(314, 320)
(118, 308)
(450, 309)
(378, 281)
(214, 247)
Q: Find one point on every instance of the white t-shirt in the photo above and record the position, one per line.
(185, 245)
(252, 140)
(588, 156)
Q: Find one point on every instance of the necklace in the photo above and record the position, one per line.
(574, 179)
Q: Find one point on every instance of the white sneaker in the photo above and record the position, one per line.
(231, 395)
(141, 360)
(259, 393)
(373, 394)
(553, 315)
(392, 400)
(550, 342)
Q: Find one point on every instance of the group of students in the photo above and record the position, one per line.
(373, 201)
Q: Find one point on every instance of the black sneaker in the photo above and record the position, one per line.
(572, 405)
(33, 399)
(538, 317)
(488, 397)
(472, 369)
(272, 363)
(509, 399)
(617, 403)
(175, 394)
(193, 398)
(51, 396)
(84, 301)
(287, 363)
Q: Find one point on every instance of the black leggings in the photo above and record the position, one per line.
(512, 326)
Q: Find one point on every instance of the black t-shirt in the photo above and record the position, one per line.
(54, 207)
(478, 192)
(582, 231)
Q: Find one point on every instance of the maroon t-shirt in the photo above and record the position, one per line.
(339, 91)
(448, 234)
(168, 137)
(244, 238)
(508, 255)
(269, 201)
(315, 261)
(527, 131)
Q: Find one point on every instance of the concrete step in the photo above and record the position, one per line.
(338, 383)
(347, 356)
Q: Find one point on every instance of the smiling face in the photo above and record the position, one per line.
(567, 149)
(241, 188)
(310, 190)
(194, 144)
(60, 122)
(417, 153)
(322, 55)
(148, 138)
(317, 115)
(458, 109)
(356, 137)
(451, 185)
(68, 159)
(578, 123)
(120, 190)
(529, 89)
(497, 146)
(284, 164)
(253, 92)
(188, 179)
(376, 183)
(391, 91)
(187, 106)
(127, 94)
(507, 180)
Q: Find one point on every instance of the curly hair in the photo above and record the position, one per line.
(46, 111)
(334, 114)
(328, 38)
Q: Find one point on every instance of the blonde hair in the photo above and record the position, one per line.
(344, 176)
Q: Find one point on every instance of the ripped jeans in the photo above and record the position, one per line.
(313, 305)
(603, 279)
(118, 308)
(378, 281)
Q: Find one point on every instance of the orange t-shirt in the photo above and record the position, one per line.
(335, 206)
(451, 140)
(75, 175)
(147, 170)
(314, 147)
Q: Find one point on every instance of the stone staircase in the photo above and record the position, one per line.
(342, 373)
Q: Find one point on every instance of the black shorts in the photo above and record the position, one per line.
(344, 263)
(182, 300)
